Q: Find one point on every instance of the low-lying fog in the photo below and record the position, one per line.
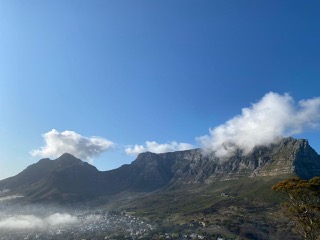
(36, 221)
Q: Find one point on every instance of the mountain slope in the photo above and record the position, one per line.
(289, 156)
(53, 178)
(185, 191)
(68, 178)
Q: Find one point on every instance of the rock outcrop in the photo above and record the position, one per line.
(289, 156)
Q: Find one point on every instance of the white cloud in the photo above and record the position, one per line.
(157, 147)
(61, 219)
(35, 222)
(71, 142)
(265, 122)
(21, 222)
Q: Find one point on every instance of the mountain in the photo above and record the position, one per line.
(70, 179)
(184, 191)
(65, 177)
(289, 156)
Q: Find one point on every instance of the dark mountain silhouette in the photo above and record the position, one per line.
(68, 178)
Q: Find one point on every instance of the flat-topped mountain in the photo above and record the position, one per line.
(289, 156)
(69, 178)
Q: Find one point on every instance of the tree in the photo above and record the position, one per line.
(302, 204)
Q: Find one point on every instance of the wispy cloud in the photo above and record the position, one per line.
(265, 122)
(21, 222)
(8, 198)
(85, 148)
(36, 222)
(60, 219)
(152, 146)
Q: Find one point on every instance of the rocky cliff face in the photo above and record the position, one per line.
(69, 178)
(289, 156)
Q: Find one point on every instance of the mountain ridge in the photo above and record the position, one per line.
(69, 178)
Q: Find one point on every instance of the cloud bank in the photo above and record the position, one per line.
(157, 147)
(85, 148)
(32, 221)
(265, 122)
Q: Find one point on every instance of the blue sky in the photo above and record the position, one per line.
(137, 71)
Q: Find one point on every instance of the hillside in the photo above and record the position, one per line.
(183, 191)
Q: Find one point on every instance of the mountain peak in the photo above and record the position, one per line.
(150, 171)
(48, 165)
(67, 156)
